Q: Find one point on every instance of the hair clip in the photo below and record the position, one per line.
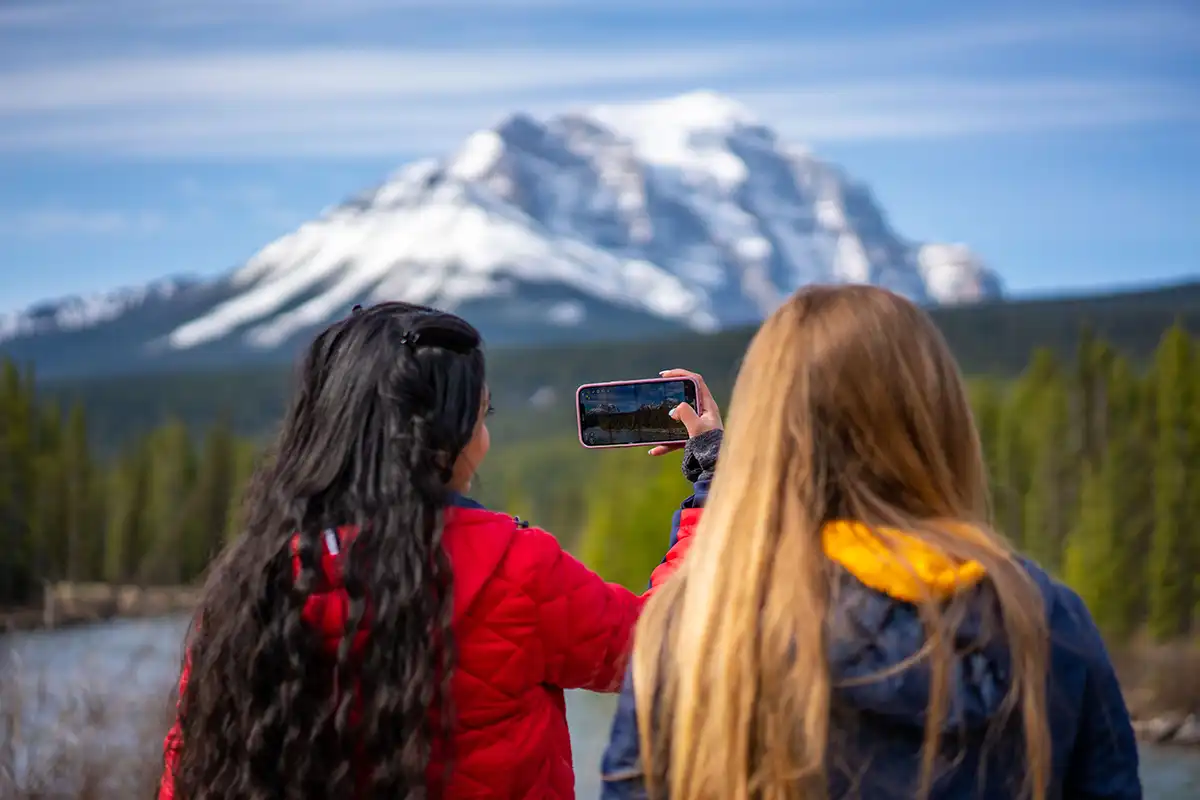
(357, 309)
(410, 339)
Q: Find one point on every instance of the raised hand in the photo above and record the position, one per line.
(708, 419)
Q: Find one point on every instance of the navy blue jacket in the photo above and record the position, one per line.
(699, 464)
(878, 727)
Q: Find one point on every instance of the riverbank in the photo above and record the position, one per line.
(95, 703)
(1162, 689)
(1174, 730)
(67, 605)
(1164, 700)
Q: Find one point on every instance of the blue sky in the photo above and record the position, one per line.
(141, 138)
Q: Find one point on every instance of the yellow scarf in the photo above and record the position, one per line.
(904, 568)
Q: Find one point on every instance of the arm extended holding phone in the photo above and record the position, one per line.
(621, 770)
(664, 412)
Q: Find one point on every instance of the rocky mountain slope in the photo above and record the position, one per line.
(618, 221)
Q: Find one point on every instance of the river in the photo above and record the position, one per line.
(132, 657)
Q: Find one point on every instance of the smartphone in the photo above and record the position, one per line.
(633, 413)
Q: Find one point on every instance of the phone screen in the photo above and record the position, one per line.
(634, 413)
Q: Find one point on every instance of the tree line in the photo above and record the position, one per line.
(1094, 461)
(993, 339)
(153, 513)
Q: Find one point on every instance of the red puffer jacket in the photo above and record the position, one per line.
(530, 621)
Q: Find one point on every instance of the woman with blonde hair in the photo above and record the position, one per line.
(847, 623)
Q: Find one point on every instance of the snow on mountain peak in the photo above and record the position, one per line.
(686, 211)
(691, 112)
(478, 156)
(80, 312)
(687, 132)
(954, 274)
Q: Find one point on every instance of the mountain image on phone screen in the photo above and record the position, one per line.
(632, 413)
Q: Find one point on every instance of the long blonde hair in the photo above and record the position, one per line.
(848, 405)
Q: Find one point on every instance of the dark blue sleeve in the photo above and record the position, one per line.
(696, 500)
(1104, 760)
(621, 768)
(699, 464)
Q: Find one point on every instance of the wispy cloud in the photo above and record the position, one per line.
(188, 13)
(902, 109)
(325, 75)
(194, 202)
(206, 199)
(32, 15)
(361, 101)
(331, 101)
(818, 113)
(1114, 30)
(68, 222)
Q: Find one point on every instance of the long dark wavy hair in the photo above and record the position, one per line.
(387, 400)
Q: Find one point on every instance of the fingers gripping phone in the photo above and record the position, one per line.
(633, 413)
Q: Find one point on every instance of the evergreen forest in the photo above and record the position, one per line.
(1094, 461)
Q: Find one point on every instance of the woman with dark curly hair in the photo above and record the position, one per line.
(372, 633)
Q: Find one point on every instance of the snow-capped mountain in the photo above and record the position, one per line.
(686, 213)
(81, 313)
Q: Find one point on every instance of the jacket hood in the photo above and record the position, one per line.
(876, 632)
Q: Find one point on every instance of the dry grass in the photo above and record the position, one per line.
(1160, 679)
(77, 743)
(73, 741)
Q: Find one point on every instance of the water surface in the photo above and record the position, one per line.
(128, 658)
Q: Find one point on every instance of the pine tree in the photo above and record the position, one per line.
(77, 497)
(245, 462)
(97, 527)
(1129, 484)
(170, 502)
(211, 499)
(1093, 368)
(19, 558)
(1097, 561)
(47, 515)
(127, 537)
(1011, 476)
(1191, 465)
(1170, 576)
(1047, 517)
(17, 467)
(987, 402)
